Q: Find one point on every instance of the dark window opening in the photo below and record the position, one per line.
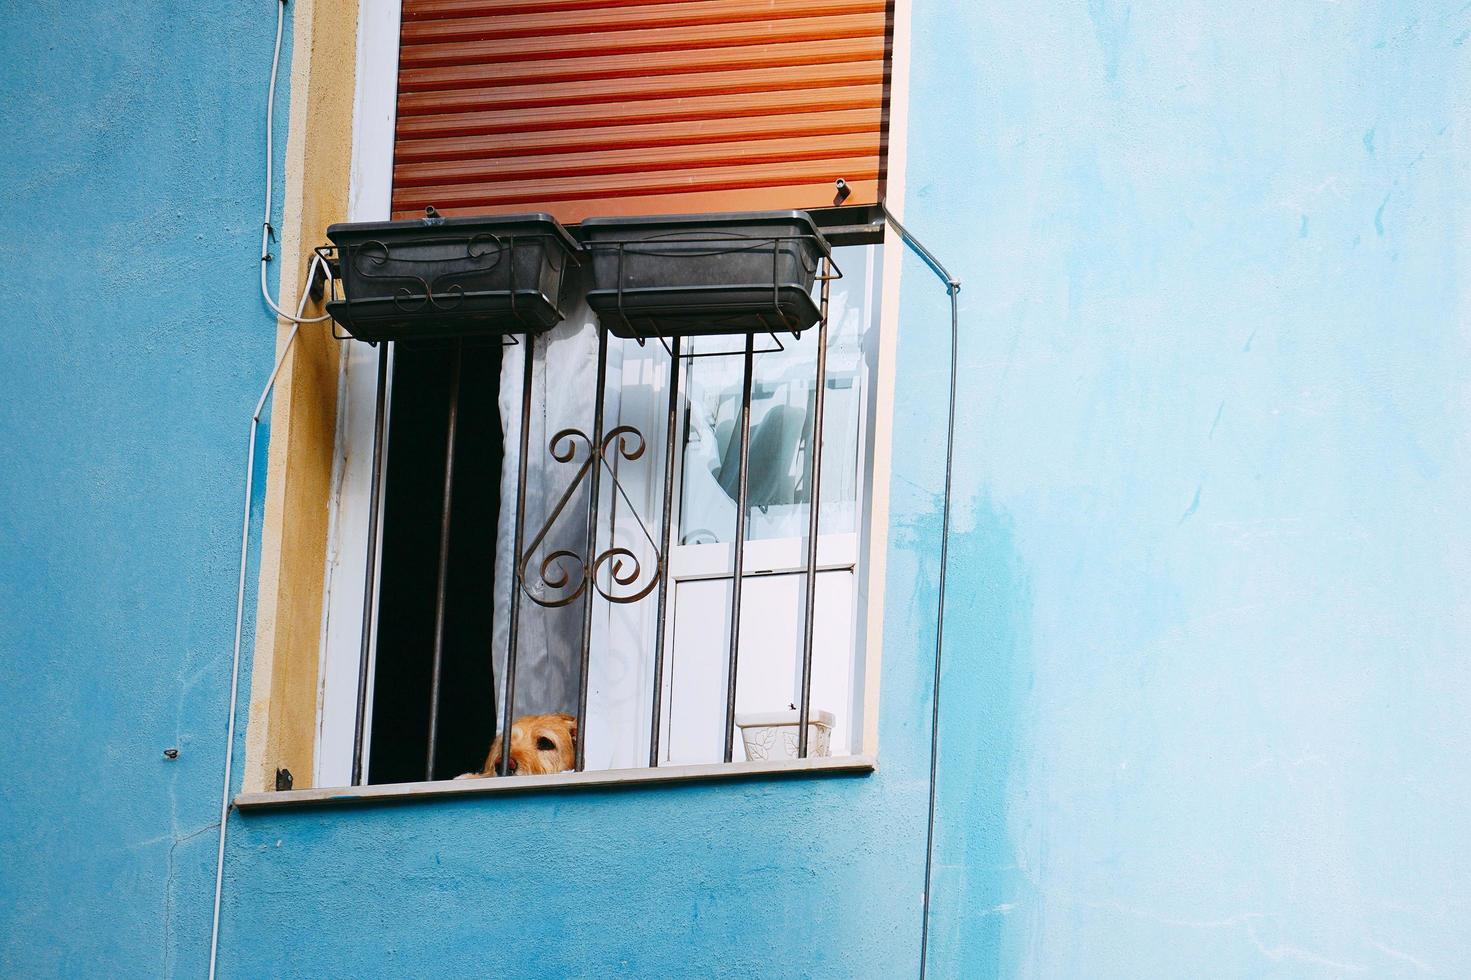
(412, 511)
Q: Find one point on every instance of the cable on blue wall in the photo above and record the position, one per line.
(952, 287)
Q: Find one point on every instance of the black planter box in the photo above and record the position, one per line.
(451, 277)
(703, 274)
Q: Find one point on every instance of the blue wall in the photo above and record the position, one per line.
(1206, 706)
(135, 347)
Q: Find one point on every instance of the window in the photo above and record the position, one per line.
(461, 118)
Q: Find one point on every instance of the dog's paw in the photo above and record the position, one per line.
(471, 775)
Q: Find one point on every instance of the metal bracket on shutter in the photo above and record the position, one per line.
(850, 224)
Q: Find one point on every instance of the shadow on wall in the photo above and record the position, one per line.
(986, 676)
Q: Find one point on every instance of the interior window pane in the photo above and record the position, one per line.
(782, 411)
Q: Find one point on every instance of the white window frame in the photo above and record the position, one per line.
(370, 189)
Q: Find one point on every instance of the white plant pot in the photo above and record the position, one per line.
(773, 734)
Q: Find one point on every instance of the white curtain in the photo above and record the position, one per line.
(549, 640)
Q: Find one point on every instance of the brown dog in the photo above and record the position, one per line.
(540, 744)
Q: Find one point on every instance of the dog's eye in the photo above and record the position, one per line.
(545, 744)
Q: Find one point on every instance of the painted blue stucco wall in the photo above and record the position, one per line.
(134, 350)
(1206, 705)
(1208, 684)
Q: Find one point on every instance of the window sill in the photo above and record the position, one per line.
(601, 779)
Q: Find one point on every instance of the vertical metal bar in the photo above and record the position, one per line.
(507, 718)
(594, 489)
(442, 581)
(668, 519)
(370, 577)
(814, 514)
(738, 565)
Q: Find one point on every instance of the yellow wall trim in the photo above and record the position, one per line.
(281, 729)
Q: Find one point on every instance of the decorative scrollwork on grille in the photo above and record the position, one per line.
(566, 573)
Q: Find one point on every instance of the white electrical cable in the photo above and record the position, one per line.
(952, 288)
(317, 264)
(260, 406)
(265, 232)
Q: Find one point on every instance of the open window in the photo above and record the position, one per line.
(535, 522)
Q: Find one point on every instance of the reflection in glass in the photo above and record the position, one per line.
(782, 403)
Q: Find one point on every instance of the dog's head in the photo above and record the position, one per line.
(540, 744)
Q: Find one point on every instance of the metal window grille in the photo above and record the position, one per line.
(614, 573)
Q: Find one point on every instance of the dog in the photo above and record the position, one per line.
(540, 744)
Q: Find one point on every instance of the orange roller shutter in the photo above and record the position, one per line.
(627, 107)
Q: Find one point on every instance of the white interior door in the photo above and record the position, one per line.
(773, 596)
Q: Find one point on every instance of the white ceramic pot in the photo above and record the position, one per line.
(773, 734)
